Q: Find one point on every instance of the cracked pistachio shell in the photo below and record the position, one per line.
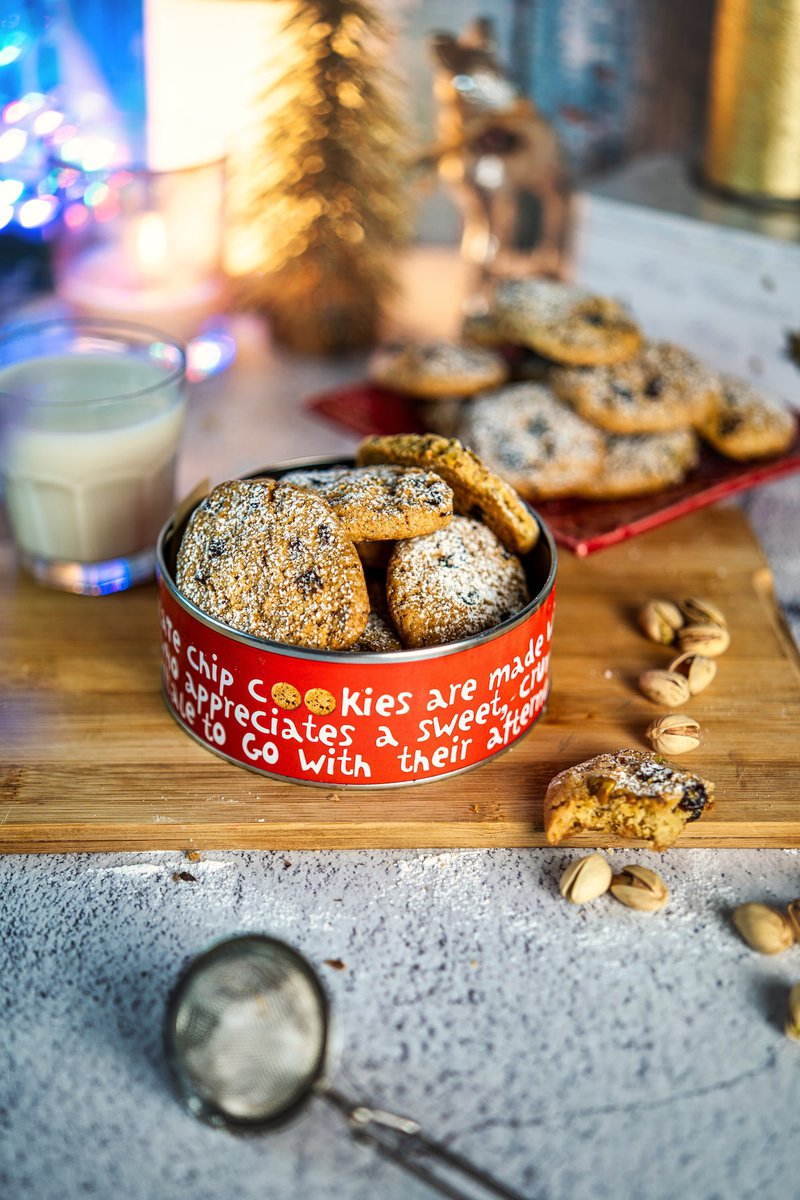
(707, 639)
(697, 670)
(763, 928)
(702, 612)
(585, 879)
(793, 913)
(673, 734)
(665, 687)
(639, 887)
(660, 620)
(793, 1015)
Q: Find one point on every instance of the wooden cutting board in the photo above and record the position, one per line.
(91, 760)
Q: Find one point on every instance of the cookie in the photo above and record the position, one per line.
(744, 424)
(482, 329)
(319, 701)
(564, 323)
(476, 490)
(639, 466)
(631, 793)
(379, 637)
(272, 560)
(533, 439)
(285, 695)
(432, 370)
(380, 503)
(661, 389)
(452, 584)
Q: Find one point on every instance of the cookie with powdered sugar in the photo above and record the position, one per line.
(272, 560)
(477, 490)
(745, 424)
(435, 369)
(565, 323)
(661, 389)
(382, 502)
(642, 465)
(452, 584)
(534, 440)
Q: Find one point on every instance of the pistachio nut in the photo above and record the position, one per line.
(664, 687)
(660, 620)
(793, 914)
(696, 669)
(763, 928)
(702, 612)
(708, 639)
(793, 1015)
(641, 888)
(585, 879)
(673, 734)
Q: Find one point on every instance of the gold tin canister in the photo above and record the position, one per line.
(753, 134)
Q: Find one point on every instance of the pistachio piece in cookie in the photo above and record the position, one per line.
(382, 502)
(477, 491)
(272, 560)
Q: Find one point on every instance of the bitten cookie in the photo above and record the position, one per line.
(661, 389)
(382, 502)
(453, 583)
(477, 491)
(639, 466)
(631, 793)
(272, 560)
(534, 440)
(564, 323)
(433, 370)
(744, 424)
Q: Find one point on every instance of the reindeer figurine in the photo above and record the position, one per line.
(501, 159)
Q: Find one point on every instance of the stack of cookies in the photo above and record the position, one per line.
(417, 545)
(595, 411)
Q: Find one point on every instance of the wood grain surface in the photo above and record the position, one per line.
(91, 759)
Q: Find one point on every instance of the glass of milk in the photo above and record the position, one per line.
(91, 414)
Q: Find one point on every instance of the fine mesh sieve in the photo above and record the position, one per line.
(246, 1039)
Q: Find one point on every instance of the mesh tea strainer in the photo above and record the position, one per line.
(247, 1038)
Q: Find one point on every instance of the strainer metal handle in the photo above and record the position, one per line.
(401, 1140)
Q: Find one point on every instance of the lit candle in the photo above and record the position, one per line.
(94, 417)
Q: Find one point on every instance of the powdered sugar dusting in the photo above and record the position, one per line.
(380, 502)
(453, 583)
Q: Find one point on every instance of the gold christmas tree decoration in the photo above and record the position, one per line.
(329, 205)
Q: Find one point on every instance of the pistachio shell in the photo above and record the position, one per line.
(697, 670)
(702, 612)
(585, 879)
(660, 620)
(673, 734)
(793, 1015)
(793, 914)
(639, 887)
(707, 639)
(763, 928)
(665, 687)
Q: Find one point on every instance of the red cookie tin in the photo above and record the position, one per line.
(347, 720)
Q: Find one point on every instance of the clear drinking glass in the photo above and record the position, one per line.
(91, 415)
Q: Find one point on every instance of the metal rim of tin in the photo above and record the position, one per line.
(349, 656)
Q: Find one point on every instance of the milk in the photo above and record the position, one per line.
(88, 479)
